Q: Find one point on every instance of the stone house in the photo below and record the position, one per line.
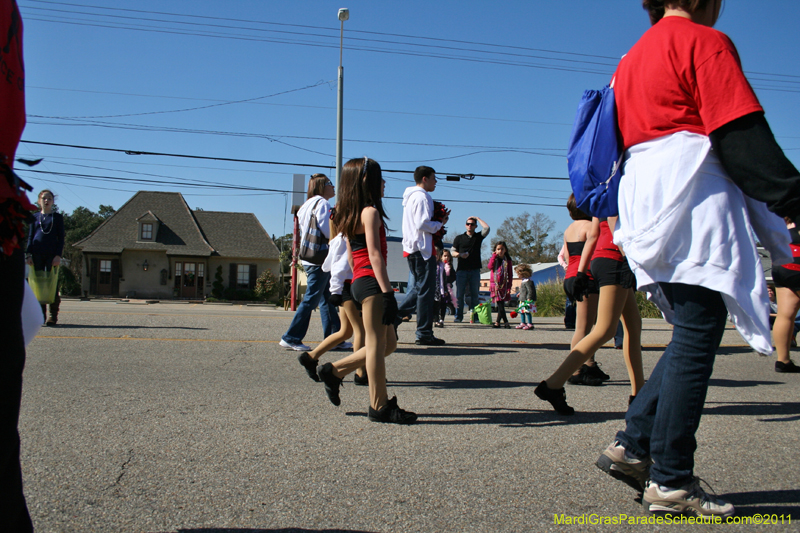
(155, 246)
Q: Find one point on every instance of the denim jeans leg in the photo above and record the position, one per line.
(317, 282)
(426, 286)
(663, 420)
(474, 287)
(328, 313)
(461, 289)
(409, 305)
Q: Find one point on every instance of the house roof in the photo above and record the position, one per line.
(181, 231)
(236, 235)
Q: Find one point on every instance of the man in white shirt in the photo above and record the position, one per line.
(418, 230)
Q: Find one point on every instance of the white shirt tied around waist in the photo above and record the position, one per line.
(337, 264)
(682, 220)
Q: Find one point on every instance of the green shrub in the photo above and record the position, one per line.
(551, 301)
(266, 284)
(68, 285)
(218, 287)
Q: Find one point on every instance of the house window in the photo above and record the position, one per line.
(200, 274)
(105, 272)
(178, 271)
(243, 277)
(147, 232)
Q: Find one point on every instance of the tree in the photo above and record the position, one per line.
(79, 225)
(529, 238)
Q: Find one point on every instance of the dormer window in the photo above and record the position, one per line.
(147, 231)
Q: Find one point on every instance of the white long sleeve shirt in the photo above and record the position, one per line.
(418, 228)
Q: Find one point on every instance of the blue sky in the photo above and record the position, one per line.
(465, 87)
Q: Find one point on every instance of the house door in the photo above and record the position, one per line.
(189, 281)
(104, 277)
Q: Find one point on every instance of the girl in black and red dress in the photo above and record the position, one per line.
(361, 220)
(787, 290)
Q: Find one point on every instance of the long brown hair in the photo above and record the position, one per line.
(360, 187)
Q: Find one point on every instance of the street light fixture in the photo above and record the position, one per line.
(344, 14)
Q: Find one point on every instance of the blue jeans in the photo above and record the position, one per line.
(420, 297)
(664, 418)
(467, 279)
(318, 289)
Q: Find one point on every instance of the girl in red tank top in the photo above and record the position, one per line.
(617, 298)
(361, 220)
(787, 290)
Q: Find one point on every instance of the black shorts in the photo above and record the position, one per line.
(570, 282)
(363, 288)
(346, 293)
(612, 272)
(786, 278)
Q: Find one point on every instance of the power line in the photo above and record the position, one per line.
(262, 162)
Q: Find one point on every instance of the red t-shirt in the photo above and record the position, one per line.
(680, 76)
(12, 80)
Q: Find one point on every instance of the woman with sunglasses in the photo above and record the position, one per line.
(360, 217)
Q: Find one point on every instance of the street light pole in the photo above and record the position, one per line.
(344, 14)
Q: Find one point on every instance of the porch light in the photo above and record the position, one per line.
(144, 265)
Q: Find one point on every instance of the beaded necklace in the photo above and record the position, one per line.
(52, 223)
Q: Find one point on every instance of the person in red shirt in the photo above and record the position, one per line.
(14, 210)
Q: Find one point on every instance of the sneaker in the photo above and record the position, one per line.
(457, 321)
(597, 372)
(51, 322)
(618, 464)
(392, 414)
(689, 499)
(432, 341)
(332, 383)
(584, 377)
(788, 368)
(557, 398)
(361, 381)
(310, 364)
(300, 347)
(344, 346)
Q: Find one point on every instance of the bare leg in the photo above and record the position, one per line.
(609, 307)
(788, 305)
(632, 345)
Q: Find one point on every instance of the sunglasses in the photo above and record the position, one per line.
(472, 223)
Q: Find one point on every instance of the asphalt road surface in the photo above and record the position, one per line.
(181, 417)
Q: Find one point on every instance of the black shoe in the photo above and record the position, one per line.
(392, 414)
(332, 383)
(358, 380)
(557, 398)
(788, 368)
(432, 341)
(597, 372)
(310, 364)
(584, 377)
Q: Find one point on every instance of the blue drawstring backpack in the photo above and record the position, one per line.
(595, 154)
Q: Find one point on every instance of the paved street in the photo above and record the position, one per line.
(181, 417)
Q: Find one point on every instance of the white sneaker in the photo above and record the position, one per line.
(296, 347)
(690, 499)
(344, 346)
